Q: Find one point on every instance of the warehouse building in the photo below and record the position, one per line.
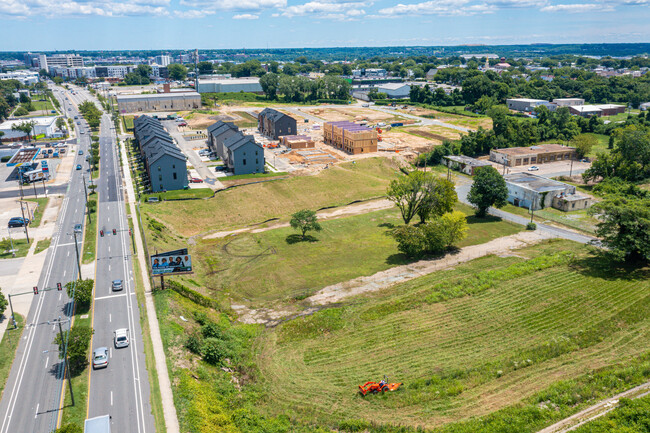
(568, 102)
(274, 124)
(350, 137)
(159, 102)
(45, 126)
(538, 154)
(230, 85)
(465, 164)
(527, 105)
(597, 110)
(395, 90)
(240, 153)
(536, 192)
(166, 165)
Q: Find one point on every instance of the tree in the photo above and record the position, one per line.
(440, 198)
(144, 71)
(214, 350)
(410, 193)
(3, 303)
(205, 67)
(489, 189)
(26, 127)
(624, 226)
(305, 220)
(269, 83)
(81, 291)
(583, 144)
(177, 72)
(78, 339)
(433, 237)
(60, 123)
(57, 80)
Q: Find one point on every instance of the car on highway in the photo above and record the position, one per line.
(533, 168)
(196, 180)
(81, 132)
(78, 166)
(100, 358)
(78, 228)
(18, 222)
(121, 338)
(117, 285)
(81, 152)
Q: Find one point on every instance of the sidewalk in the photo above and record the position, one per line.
(169, 410)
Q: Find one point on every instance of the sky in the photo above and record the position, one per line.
(45, 25)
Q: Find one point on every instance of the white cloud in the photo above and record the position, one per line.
(437, 7)
(80, 8)
(245, 17)
(577, 8)
(193, 13)
(234, 5)
(327, 10)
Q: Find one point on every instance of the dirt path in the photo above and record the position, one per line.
(596, 411)
(339, 212)
(338, 292)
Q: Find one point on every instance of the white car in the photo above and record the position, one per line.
(121, 338)
(533, 168)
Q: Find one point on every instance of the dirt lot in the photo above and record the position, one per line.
(454, 119)
(354, 114)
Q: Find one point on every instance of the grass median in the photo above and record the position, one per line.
(90, 238)
(8, 347)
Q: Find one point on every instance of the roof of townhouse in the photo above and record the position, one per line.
(220, 126)
(239, 139)
(175, 153)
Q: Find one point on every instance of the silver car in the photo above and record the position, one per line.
(117, 285)
(100, 358)
(121, 338)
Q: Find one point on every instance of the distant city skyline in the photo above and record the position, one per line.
(182, 24)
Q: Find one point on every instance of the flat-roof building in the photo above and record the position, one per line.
(172, 101)
(597, 110)
(297, 141)
(465, 164)
(536, 192)
(538, 154)
(230, 85)
(568, 102)
(525, 104)
(395, 90)
(42, 126)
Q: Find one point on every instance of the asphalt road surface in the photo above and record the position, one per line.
(122, 389)
(32, 397)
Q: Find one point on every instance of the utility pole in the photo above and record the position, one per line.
(11, 307)
(67, 364)
(34, 185)
(13, 251)
(20, 186)
(76, 248)
(44, 189)
(571, 169)
(24, 221)
(86, 191)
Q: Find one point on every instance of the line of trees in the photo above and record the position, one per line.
(91, 113)
(299, 88)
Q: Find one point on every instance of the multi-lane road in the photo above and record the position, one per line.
(32, 398)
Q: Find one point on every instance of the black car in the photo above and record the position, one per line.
(18, 222)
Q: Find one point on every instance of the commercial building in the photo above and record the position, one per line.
(165, 164)
(395, 90)
(60, 60)
(597, 110)
(230, 85)
(45, 126)
(538, 154)
(350, 137)
(527, 105)
(118, 71)
(465, 164)
(536, 192)
(162, 60)
(26, 78)
(568, 102)
(274, 124)
(172, 101)
(240, 153)
(297, 141)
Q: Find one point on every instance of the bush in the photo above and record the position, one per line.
(214, 350)
(82, 291)
(5, 158)
(78, 344)
(354, 425)
(212, 330)
(69, 428)
(531, 226)
(194, 344)
(21, 111)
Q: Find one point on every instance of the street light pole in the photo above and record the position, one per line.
(86, 191)
(76, 249)
(67, 363)
(24, 221)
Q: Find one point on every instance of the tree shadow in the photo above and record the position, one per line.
(387, 225)
(601, 264)
(473, 219)
(403, 259)
(296, 238)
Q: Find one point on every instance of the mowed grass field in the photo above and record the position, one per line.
(259, 268)
(256, 203)
(465, 342)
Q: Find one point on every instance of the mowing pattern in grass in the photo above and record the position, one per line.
(579, 219)
(273, 265)
(459, 355)
(259, 202)
(180, 194)
(8, 347)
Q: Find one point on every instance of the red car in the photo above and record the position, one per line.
(182, 124)
(196, 180)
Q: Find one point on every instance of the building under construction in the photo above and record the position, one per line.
(350, 137)
(297, 141)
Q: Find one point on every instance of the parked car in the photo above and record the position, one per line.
(78, 228)
(196, 180)
(221, 168)
(121, 338)
(18, 222)
(117, 285)
(81, 152)
(182, 124)
(78, 166)
(100, 357)
(533, 168)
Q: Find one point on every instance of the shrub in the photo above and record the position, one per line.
(531, 226)
(214, 350)
(69, 428)
(354, 425)
(194, 344)
(212, 330)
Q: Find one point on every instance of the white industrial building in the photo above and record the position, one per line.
(25, 77)
(162, 60)
(172, 101)
(536, 192)
(230, 85)
(645, 106)
(42, 126)
(395, 90)
(568, 102)
(528, 105)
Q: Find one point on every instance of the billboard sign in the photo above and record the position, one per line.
(171, 262)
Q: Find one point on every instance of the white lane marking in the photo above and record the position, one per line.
(65, 245)
(60, 294)
(111, 398)
(47, 361)
(36, 414)
(110, 296)
(110, 352)
(109, 249)
(109, 268)
(68, 254)
(65, 272)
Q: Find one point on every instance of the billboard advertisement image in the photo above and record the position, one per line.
(171, 262)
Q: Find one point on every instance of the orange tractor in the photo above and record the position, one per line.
(377, 387)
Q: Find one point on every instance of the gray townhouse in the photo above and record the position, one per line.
(275, 124)
(240, 153)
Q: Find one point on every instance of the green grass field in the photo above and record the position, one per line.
(38, 213)
(42, 106)
(20, 245)
(252, 176)
(256, 203)
(180, 194)
(8, 347)
(42, 245)
(465, 342)
(578, 220)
